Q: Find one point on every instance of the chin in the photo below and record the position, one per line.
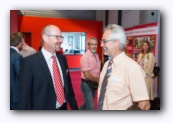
(93, 51)
(57, 49)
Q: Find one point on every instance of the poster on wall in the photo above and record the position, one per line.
(129, 42)
(136, 35)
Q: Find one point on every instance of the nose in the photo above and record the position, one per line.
(101, 44)
(60, 40)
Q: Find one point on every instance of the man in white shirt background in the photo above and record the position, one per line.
(26, 50)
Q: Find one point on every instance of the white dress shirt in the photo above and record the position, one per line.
(15, 49)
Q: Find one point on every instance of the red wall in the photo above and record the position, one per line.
(36, 24)
(13, 21)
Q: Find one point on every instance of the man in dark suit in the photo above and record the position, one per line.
(37, 79)
(15, 61)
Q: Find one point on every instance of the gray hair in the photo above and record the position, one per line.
(117, 33)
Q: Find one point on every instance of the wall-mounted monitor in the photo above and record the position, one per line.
(74, 42)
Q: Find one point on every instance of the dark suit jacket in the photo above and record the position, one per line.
(15, 61)
(36, 84)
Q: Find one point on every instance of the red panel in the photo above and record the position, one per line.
(13, 21)
(28, 38)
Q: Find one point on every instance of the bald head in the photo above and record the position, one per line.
(49, 29)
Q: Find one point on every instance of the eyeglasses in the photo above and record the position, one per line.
(104, 41)
(93, 44)
(58, 37)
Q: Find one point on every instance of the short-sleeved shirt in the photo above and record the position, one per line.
(90, 62)
(126, 84)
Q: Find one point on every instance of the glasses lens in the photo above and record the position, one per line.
(93, 44)
(60, 37)
(104, 41)
(57, 36)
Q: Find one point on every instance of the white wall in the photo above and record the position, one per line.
(113, 17)
(100, 16)
(130, 18)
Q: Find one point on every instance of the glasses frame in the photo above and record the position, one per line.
(58, 37)
(93, 44)
(104, 41)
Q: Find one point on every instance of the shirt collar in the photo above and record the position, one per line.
(46, 54)
(90, 53)
(25, 47)
(15, 48)
(117, 60)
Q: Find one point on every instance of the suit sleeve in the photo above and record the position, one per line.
(71, 96)
(25, 84)
(17, 64)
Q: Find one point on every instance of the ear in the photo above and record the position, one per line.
(117, 43)
(45, 38)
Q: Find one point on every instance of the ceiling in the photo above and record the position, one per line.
(74, 14)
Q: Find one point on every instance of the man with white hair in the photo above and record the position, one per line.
(122, 80)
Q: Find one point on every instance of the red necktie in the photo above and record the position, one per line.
(57, 82)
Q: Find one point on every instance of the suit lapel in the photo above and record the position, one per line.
(45, 67)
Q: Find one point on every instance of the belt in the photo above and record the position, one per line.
(63, 107)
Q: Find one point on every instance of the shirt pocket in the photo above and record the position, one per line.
(117, 87)
(115, 82)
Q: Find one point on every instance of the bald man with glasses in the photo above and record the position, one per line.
(90, 72)
(45, 82)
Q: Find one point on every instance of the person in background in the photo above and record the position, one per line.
(122, 80)
(45, 82)
(15, 61)
(90, 72)
(146, 60)
(26, 50)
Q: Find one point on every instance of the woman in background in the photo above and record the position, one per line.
(146, 60)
